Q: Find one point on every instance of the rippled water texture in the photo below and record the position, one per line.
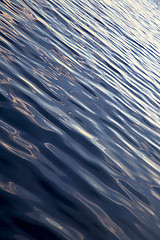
(79, 120)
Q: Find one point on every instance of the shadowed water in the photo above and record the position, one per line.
(79, 120)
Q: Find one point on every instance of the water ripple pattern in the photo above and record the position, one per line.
(79, 120)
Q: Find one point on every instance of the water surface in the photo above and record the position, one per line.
(79, 120)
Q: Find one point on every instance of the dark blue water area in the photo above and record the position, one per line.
(79, 120)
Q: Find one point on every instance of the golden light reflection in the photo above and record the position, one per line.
(23, 154)
(9, 18)
(54, 223)
(9, 187)
(33, 87)
(7, 127)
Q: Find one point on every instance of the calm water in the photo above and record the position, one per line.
(79, 120)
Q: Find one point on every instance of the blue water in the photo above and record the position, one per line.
(79, 120)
